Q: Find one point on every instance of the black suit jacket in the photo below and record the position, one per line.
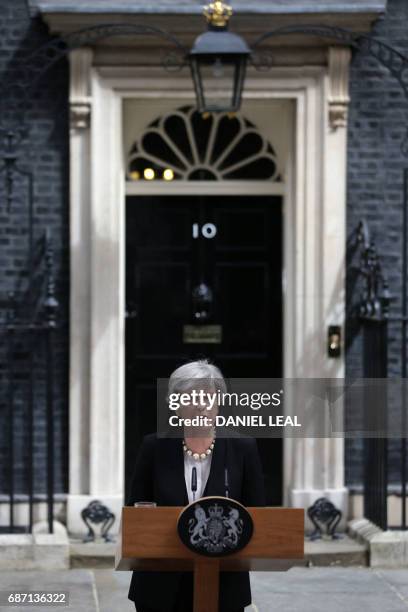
(159, 477)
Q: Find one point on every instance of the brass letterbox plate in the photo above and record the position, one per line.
(202, 334)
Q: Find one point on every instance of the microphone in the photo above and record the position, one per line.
(226, 479)
(194, 481)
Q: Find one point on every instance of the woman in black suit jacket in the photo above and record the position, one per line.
(159, 476)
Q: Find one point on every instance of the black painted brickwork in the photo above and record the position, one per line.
(377, 122)
(45, 154)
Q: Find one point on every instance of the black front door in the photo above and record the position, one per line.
(210, 263)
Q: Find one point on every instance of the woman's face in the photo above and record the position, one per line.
(202, 402)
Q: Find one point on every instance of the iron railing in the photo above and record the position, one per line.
(375, 316)
(27, 327)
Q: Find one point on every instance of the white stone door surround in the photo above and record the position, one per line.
(314, 264)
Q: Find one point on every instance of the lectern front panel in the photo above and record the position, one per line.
(149, 541)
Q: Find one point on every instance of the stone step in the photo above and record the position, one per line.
(341, 552)
(98, 555)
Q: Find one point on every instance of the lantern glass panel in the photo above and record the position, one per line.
(218, 82)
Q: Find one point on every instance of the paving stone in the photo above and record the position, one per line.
(323, 589)
(80, 585)
(298, 590)
(112, 588)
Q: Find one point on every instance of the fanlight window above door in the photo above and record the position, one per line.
(186, 145)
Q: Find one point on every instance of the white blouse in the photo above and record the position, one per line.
(203, 471)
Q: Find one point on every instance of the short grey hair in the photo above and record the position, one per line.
(180, 380)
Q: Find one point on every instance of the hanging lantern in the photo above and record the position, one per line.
(218, 62)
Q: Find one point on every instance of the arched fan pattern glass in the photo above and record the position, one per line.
(186, 145)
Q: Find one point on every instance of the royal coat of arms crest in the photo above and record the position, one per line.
(215, 526)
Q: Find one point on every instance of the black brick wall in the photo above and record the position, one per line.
(377, 122)
(44, 153)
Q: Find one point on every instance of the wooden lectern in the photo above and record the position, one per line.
(148, 540)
